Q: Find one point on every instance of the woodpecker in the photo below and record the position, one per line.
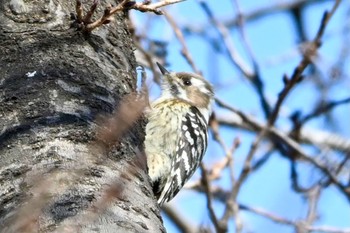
(177, 131)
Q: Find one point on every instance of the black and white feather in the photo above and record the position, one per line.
(177, 132)
(190, 149)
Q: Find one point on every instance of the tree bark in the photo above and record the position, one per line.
(54, 83)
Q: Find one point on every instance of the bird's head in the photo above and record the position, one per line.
(189, 87)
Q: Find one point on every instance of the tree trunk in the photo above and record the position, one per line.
(54, 82)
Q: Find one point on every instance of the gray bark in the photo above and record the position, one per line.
(54, 82)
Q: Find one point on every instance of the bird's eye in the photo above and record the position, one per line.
(187, 82)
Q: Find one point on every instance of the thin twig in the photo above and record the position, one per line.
(256, 79)
(180, 222)
(307, 135)
(313, 197)
(225, 36)
(218, 226)
(109, 11)
(266, 214)
(287, 140)
(285, 221)
(324, 108)
(184, 50)
(289, 84)
(255, 14)
(106, 17)
(297, 74)
(145, 6)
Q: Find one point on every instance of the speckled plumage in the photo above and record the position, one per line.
(176, 133)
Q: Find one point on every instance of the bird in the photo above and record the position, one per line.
(177, 131)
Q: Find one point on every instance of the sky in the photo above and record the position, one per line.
(274, 43)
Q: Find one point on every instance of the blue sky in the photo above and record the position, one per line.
(275, 45)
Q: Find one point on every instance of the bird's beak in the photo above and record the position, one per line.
(162, 69)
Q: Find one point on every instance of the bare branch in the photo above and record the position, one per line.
(109, 11)
(255, 14)
(307, 135)
(218, 226)
(328, 229)
(146, 6)
(285, 221)
(184, 51)
(323, 108)
(266, 214)
(297, 75)
(181, 223)
(224, 34)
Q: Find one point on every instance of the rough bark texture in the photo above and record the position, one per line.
(54, 82)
